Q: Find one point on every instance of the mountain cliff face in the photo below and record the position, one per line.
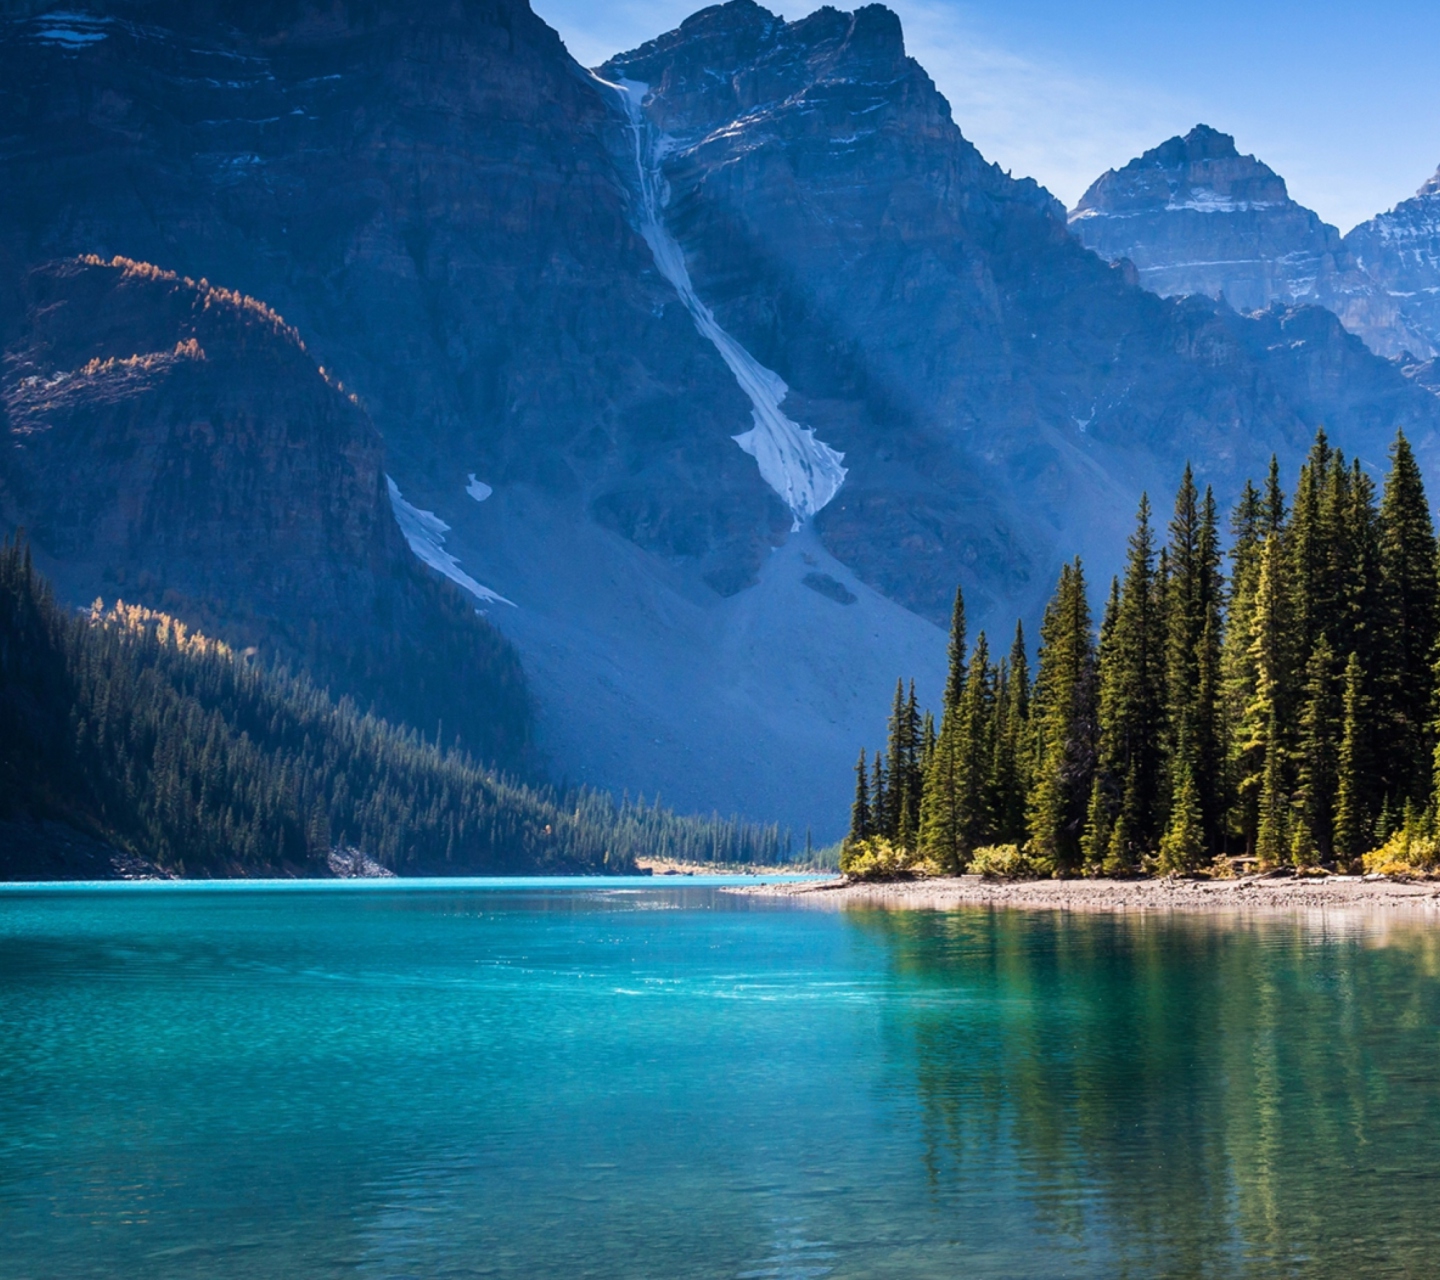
(426, 194)
(174, 444)
(1195, 216)
(998, 393)
(620, 332)
(1400, 251)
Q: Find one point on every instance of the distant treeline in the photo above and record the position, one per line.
(166, 744)
(1284, 710)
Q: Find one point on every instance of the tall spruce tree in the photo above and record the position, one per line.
(1353, 820)
(860, 828)
(1012, 767)
(940, 834)
(976, 751)
(1063, 716)
(1193, 659)
(897, 766)
(1248, 527)
(880, 799)
(955, 678)
(1264, 747)
(1407, 563)
(1307, 541)
(1132, 705)
(1106, 789)
(1317, 759)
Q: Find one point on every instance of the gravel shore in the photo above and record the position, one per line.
(1250, 893)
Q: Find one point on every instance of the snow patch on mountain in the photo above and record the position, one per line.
(70, 30)
(802, 469)
(478, 489)
(425, 532)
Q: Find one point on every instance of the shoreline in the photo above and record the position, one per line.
(662, 867)
(1249, 893)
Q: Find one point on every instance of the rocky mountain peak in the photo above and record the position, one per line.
(1400, 252)
(1196, 217)
(1202, 171)
(735, 59)
(1201, 143)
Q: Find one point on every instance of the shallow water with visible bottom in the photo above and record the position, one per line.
(625, 1080)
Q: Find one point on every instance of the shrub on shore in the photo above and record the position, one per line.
(1403, 854)
(1010, 862)
(880, 859)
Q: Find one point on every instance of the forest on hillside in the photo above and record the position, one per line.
(1273, 701)
(125, 726)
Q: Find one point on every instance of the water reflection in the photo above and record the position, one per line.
(1199, 1096)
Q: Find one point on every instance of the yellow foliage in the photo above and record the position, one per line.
(210, 295)
(169, 633)
(1009, 862)
(879, 859)
(1403, 854)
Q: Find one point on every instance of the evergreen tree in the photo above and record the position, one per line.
(914, 773)
(1063, 715)
(940, 834)
(1012, 773)
(974, 784)
(880, 799)
(1199, 716)
(1272, 838)
(1318, 759)
(940, 822)
(955, 679)
(1132, 702)
(1106, 790)
(860, 810)
(1352, 821)
(1193, 658)
(1249, 526)
(1407, 563)
(1262, 748)
(898, 765)
(1182, 847)
(1308, 543)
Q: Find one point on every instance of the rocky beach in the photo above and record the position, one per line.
(1247, 893)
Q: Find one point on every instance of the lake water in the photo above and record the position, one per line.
(443, 1080)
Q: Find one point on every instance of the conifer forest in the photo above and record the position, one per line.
(1261, 686)
(163, 743)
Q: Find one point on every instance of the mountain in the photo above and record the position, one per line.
(1197, 217)
(1400, 251)
(993, 387)
(720, 365)
(174, 442)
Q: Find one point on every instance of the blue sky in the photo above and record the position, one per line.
(1342, 99)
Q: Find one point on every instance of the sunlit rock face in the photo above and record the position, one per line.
(1400, 251)
(1197, 217)
(173, 443)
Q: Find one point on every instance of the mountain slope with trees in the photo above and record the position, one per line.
(131, 731)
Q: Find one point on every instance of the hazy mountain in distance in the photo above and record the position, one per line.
(1400, 251)
(1197, 217)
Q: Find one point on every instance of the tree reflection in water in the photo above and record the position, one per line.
(1198, 1095)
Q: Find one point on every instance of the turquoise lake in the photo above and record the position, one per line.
(628, 1080)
